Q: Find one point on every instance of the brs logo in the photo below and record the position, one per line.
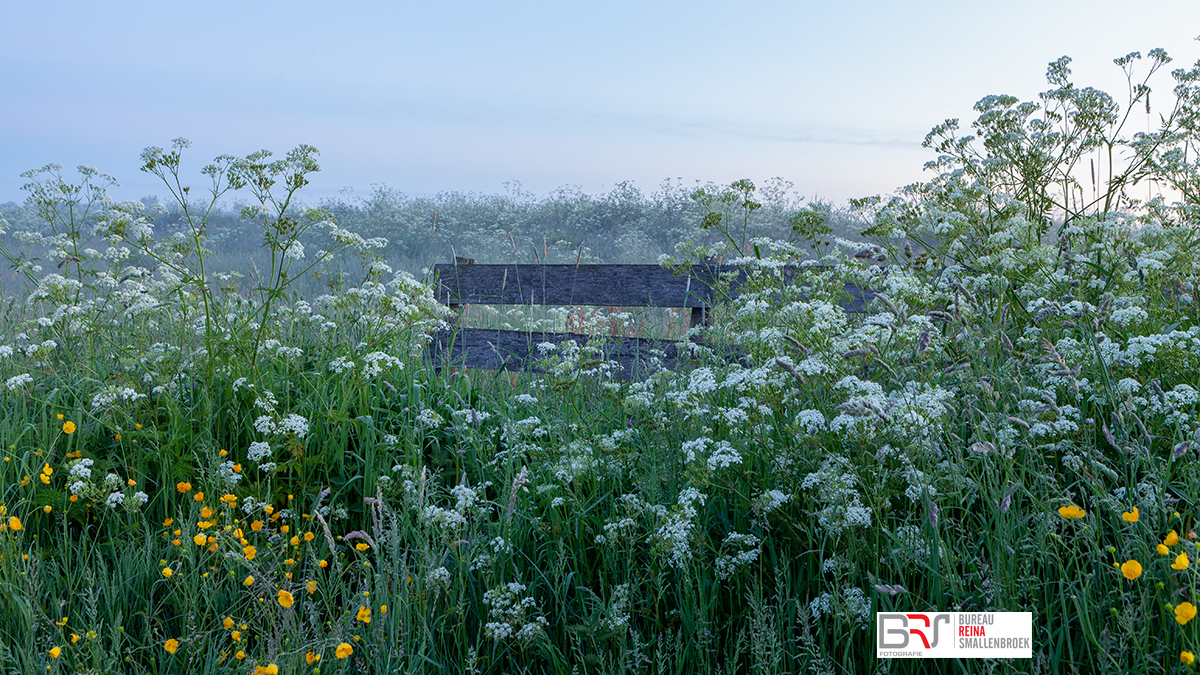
(895, 630)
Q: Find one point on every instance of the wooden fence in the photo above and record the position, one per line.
(466, 283)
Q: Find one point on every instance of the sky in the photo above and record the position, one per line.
(482, 96)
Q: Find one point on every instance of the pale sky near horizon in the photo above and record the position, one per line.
(425, 97)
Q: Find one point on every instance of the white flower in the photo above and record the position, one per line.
(258, 452)
(295, 251)
(15, 383)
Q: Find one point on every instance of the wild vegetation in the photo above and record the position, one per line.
(206, 473)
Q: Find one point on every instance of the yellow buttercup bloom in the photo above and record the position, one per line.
(362, 547)
(68, 427)
(1185, 612)
(364, 614)
(1162, 549)
(171, 645)
(249, 552)
(1071, 512)
(295, 541)
(236, 635)
(311, 586)
(311, 658)
(286, 599)
(200, 540)
(1181, 562)
(344, 650)
(167, 572)
(256, 525)
(240, 655)
(206, 513)
(14, 523)
(1187, 658)
(55, 652)
(183, 486)
(249, 580)
(227, 623)
(308, 536)
(1172, 538)
(383, 609)
(1132, 569)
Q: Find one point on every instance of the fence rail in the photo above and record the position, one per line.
(467, 283)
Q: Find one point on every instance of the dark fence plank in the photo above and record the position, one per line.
(518, 350)
(597, 285)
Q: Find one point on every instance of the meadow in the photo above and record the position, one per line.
(212, 470)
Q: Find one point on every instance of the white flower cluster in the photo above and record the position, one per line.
(18, 381)
(512, 614)
(676, 533)
(113, 394)
(730, 563)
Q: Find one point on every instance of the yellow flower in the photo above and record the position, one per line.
(168, 522)
(1172, 538)
(206, 513)
(74, 638)
(237, 468)
(1187, 658)
(14, 524)
(44, 478)
(362, 547)
(323, 564)
(311, 586)
(171, 645)
(256, 525)
(344, 650)
(249, 580)
(308, 536)
(1181, 562)
(227, 623)
(131, 482)
(183, 486)
(46, 508)
(1071, 512)
(24, 481)
(311, 658)
(199, 497)
(1185, 612)
(284, 529)
(223, 452)
(236, 635)
(1132, 569)
(54, 652)
(61, 623)
(269, 509)
(289, 562)
(167, 572)
(68, 427)
(295, 541)
(47, 469)
(240, 655)
(1162, 549)
(249, 552)
(271, 669)
(285, 599)
(176, 542)
(59, 416)
(200, 540)
(383, 609)
(364, 614)
(228, 498)
(137, 425)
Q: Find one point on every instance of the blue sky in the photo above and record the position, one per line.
(438, 96)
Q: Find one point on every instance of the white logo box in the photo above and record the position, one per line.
(954, 635)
